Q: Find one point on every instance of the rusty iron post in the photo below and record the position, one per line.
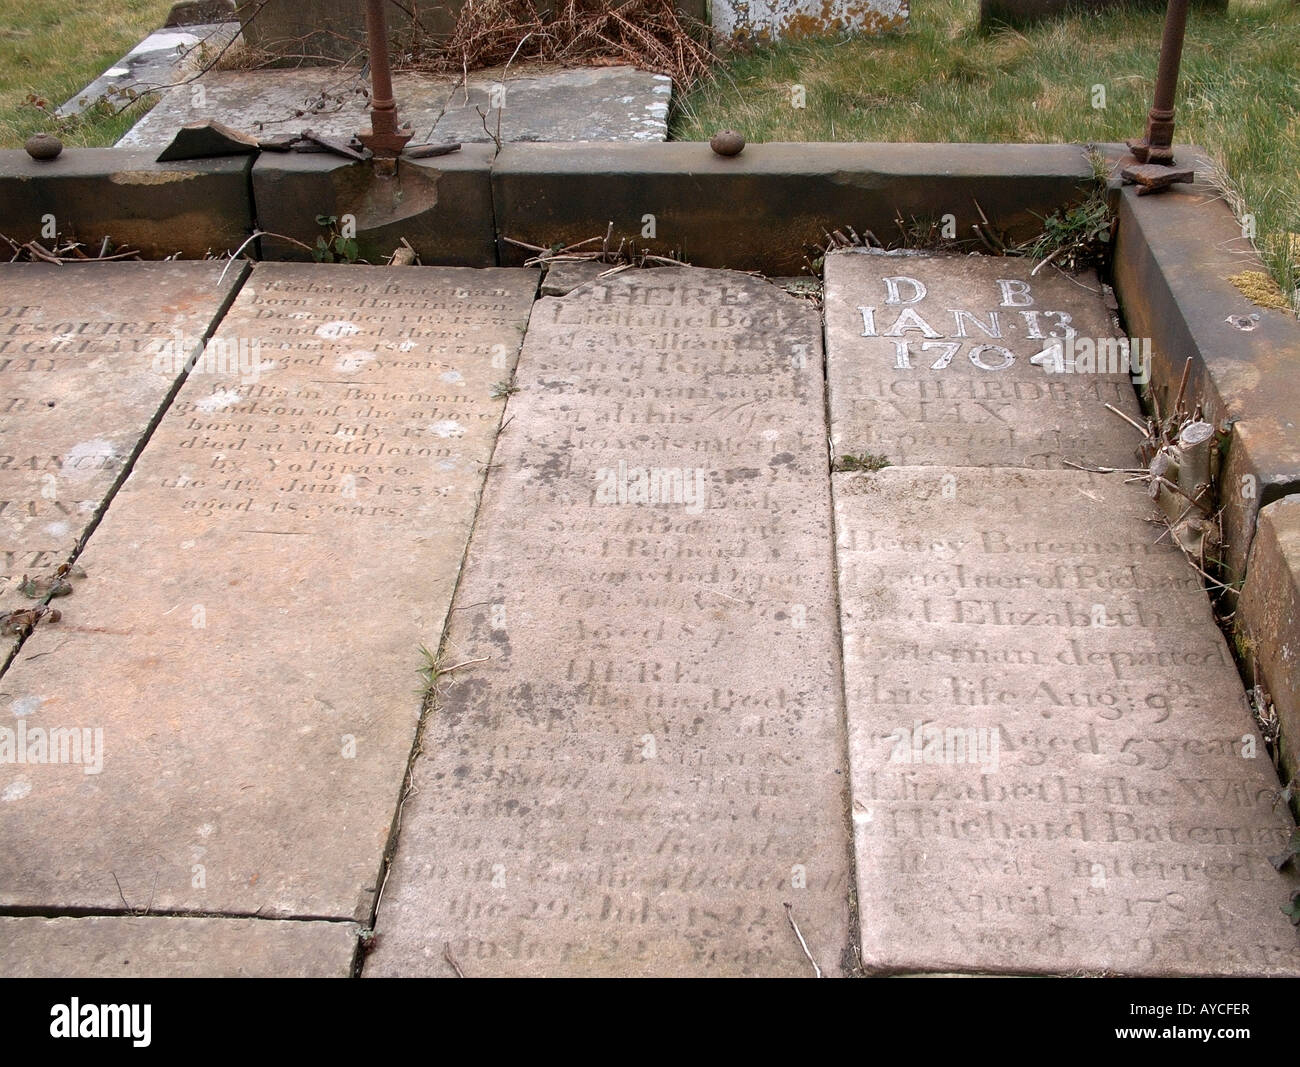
(1159, 139)
(1155, 152)
(386, 137)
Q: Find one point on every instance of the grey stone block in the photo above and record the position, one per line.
(766, 208)
(192, 208)
(442, 206)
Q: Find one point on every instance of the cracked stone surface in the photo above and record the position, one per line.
(120, 946)
(259, 594)
(968, 709)
(643, 761)
(86, 364)
(585, 104)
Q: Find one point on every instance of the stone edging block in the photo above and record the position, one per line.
(1268, 619)
(1174, 256)
(91, 193)
(764, 209)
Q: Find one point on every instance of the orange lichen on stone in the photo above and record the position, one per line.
(837, 16)
(1260, 289)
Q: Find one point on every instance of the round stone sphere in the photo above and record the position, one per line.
(43, 146)
(727, 143)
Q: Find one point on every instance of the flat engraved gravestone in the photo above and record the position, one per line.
(641, 759)
(929, 362)
(154, 946)
(80, 383)
(248, 638)
(1054, 766)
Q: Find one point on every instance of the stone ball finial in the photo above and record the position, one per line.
(727, 143)
(43, 146)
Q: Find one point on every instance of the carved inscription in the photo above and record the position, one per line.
(972, 361)
(78, 389)
(641, 763)
(1054, 768)
(249, 633)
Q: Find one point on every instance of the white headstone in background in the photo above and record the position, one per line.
(772, 20)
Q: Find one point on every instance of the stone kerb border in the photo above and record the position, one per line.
(195, 208)
(1174, 257)
(757, 211)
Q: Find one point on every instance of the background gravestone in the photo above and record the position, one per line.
(1024, 12)
(776, 19)
(321, 30)
(336, 29)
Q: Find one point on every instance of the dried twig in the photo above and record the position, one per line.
(789, 914)
(1182, 386)
(253, 237)
(1143, 430)
(650, 34)
(464, 663)
(1106, 470)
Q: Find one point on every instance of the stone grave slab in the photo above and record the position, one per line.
(639, 758)
(564, 277)
(84, 371)
(600, 104)
(928, 362)
(153, 946)
(163, 58)
(267, 103)
(586, 104)
(247, 641)
(1054, 766)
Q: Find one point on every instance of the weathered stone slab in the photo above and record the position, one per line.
(641, 759)
(564, 277)
(442, 206)
(600, 104)
(1268, 619)
(330, 30)
(762, 210)
(929, 363)
(1173, 268)
(586, 104)
(167, 947)
(248, 636)
(774, 20)
(192, 209)
(1054, 766)
(197, 12)
(80, 384)
(327, 100)
(161, 59)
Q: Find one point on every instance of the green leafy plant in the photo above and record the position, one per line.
(1075, 237)
(1292, 909)
(333, 247)
(429, 672)
(864, 461)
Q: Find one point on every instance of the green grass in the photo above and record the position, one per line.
(940, 79)
(51, 50)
